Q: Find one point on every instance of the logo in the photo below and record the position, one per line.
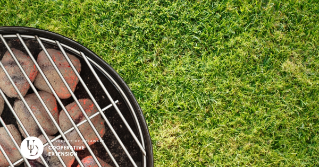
(32, 147)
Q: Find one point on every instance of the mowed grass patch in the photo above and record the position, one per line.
(223, 83)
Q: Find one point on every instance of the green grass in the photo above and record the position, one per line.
(225, 83)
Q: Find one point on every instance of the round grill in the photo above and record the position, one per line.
(126, 141)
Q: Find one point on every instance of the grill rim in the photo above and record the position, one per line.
(105, 66)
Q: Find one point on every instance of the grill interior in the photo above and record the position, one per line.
(123, 142)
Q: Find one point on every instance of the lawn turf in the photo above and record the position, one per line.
(223, 83)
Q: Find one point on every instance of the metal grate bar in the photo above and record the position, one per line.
(97, 105)
(125, 97)
(75, 99)
(20, 123)
(89, 92)
(106, 120)
(40, 99)
(82, 122)
(6, 156)
(56, 138)
(113, 81)
(29, 109)
(112, 101)
(55, 95)
(15, 143)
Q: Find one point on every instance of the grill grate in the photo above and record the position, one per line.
(94, 68)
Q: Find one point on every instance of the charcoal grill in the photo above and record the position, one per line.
(126, 141)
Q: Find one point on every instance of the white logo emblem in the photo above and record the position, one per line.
(31, 147)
